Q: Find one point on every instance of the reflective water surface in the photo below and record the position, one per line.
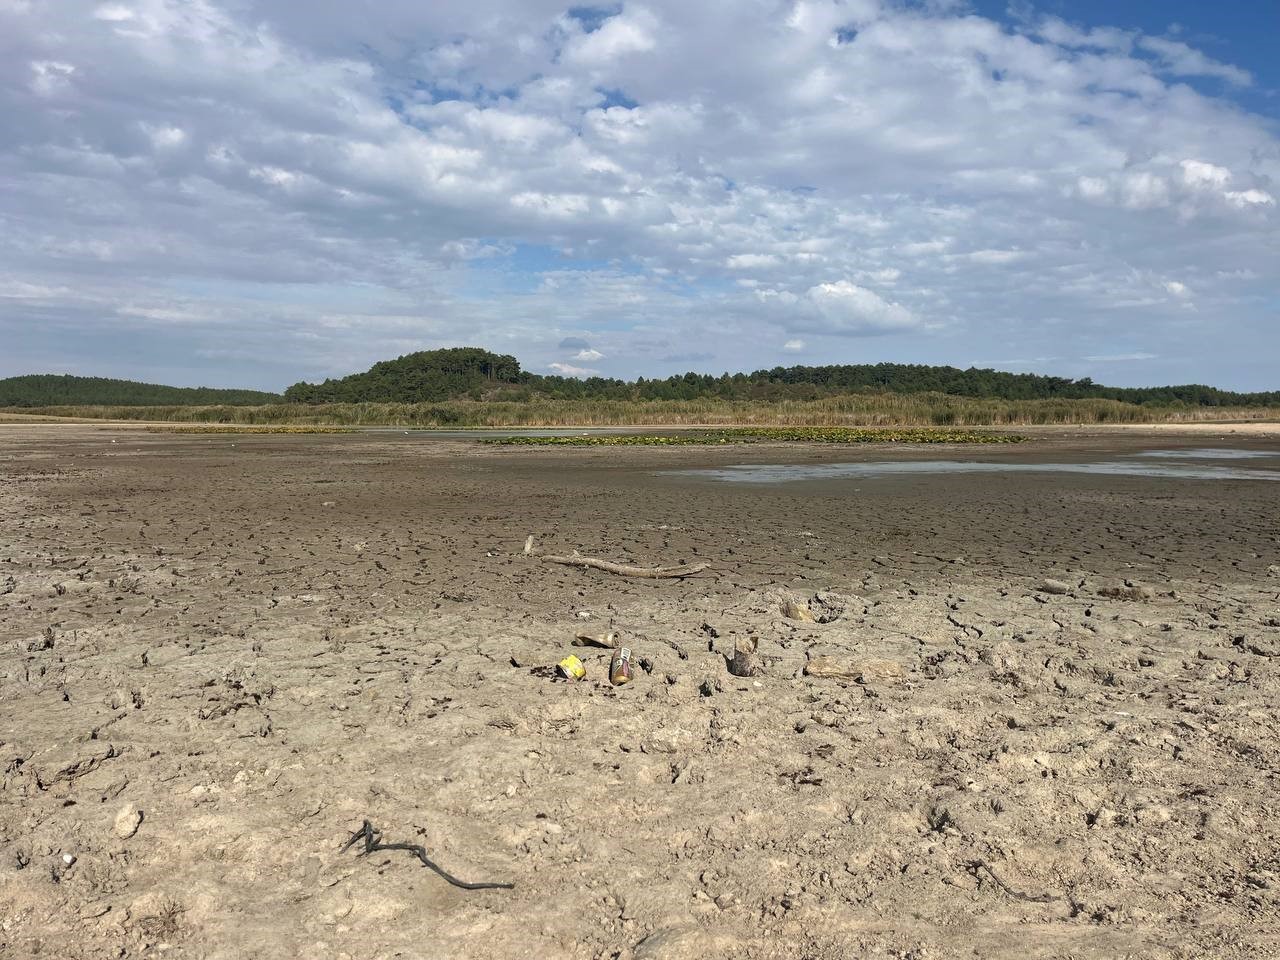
(1149, 467)
(1208, 453)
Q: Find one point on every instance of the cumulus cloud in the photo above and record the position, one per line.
(845, 307)
(629, 32)
(1244, 199)
(793, 346)
(700, 180)
(569, 370)
(1197, 173)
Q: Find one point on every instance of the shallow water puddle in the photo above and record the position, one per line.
(783, 473)
(1208, 453)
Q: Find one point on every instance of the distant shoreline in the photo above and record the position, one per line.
(1254, 426)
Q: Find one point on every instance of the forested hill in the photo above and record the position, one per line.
(429, 375)
(435, 375)
(47, 390)
(469, 372)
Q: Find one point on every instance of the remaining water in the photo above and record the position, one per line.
(783, 473)
(1208, 453)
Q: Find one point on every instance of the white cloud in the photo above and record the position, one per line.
(1178, 289)
(995, 256)
(1197, 173)
(1144, 190)
(845, 307)
(887, 275)
(165, 137)
(569, 370)
(631, 31)
(1244, 199)
(471, 248)
(1102, 38)
(1093, 188)
(670, 179)
(1121, 357)
(50, 77)
(113, 13)
(752, 261)
(1185, 61)
(793, 346)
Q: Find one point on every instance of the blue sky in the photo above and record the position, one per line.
(250, 193)
(1239, 32)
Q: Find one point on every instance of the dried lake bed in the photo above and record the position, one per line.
(1000, 712)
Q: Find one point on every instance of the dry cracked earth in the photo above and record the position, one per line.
(1022, 716)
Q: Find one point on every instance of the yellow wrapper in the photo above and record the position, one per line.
(571, 668)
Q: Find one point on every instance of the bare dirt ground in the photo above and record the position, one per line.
(219, 655)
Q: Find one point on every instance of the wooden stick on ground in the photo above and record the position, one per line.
(622, 570)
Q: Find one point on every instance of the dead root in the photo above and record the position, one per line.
(623, 570)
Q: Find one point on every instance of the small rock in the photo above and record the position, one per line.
(1263, 646)
(828, 606)
(865, 671)
(128, 820)
(1057, 587)
(1258, 879)
(745, 662)
(1126, 591)
(676, 943)
(793, 609)
(666, 740)
(825, 718)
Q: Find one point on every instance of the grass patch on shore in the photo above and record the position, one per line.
(850, 410)
(763, 434)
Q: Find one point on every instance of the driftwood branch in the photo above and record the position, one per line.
(975, 865)
(372, 838)
(622, 570)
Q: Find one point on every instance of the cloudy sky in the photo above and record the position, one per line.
(254, 192)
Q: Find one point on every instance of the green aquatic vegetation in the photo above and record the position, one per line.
(763, 434)
(246, 429)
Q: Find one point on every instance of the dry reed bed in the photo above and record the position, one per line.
(854, 410)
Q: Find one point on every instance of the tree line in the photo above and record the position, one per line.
(458, 373)
(50, 390)
(469, 372)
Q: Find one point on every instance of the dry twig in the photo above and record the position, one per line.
(372, 844)
(623, 570)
